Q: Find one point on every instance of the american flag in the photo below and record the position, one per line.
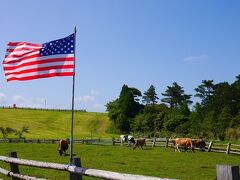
(27, 61)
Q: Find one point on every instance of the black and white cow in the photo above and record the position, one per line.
(127, 138)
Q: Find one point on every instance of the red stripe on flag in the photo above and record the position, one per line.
(39, 62)
(41, 76)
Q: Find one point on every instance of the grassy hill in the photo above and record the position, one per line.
(55, 124)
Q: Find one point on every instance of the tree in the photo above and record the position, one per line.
(6, 131)
(123, 110)
(113, 110)
(128, 106)
(178, 121)
(24, 129)
(224, 121)
(136, 94)
(196, 118)
(205, 90)
(150, 96)
(236, 96)
(150, 120)
(175, 96)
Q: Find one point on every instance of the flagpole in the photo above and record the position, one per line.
(73, 91)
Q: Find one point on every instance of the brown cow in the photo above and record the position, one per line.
(62, 146)
(200, 143)
(185, 143)
(139, 143)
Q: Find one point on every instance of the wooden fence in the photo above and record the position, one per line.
(212, 146)
(224, 148)
(154, 142)
(76, 172)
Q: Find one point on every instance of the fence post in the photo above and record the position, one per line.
(154, 142)
(228, 148)
(210, 146)
(13, 166)
(113, 141)
(77, 163)
(227, 172)
(167, 140)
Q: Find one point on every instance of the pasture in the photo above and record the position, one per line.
(160, 162)
(55, 124)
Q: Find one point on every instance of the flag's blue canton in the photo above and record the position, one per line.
(60, 46)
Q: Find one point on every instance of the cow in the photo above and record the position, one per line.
(127, 138)
(200, 143)
(62, 147)
(139, 143)
(183, 143)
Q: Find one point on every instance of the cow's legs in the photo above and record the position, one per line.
(178, 148)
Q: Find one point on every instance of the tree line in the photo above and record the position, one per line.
(216, 115)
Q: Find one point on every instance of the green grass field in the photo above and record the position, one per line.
(160, 162)
(54, 124)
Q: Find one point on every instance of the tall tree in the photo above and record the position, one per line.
(205, 90)
(175, 96)
(123, 110)
(150, 96)
(236, 96)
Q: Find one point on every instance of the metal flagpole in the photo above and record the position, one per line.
(73, 87)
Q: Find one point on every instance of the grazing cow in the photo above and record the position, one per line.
(127, 138)
(139, 143)
(200, 143)
(62, 146)
(183, 143)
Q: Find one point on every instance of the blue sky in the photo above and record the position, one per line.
(137, 42)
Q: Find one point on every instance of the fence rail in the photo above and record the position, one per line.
(224, 148)
(212, 146)
(72, 169)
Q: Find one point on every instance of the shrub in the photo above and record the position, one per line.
(233, 133)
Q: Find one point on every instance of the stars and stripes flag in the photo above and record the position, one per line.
(27, 61)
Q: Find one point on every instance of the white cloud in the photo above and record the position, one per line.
(3, 99)
(86, 98)
(196, 58)
(89, 97)
(22, 101)
(89, 102)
